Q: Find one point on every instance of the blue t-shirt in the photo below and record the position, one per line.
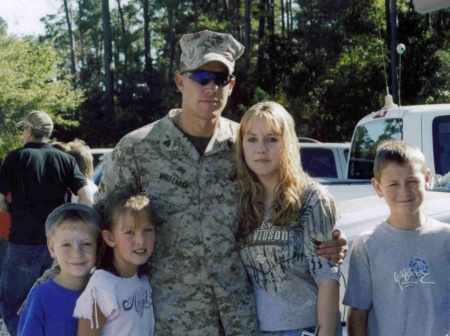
(49, 311)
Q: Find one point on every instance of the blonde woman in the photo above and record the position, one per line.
(283, 216)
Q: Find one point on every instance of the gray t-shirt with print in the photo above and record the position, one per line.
(402, 278)
(284, 266)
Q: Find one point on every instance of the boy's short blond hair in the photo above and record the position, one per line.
(399, 152)
(72, 212)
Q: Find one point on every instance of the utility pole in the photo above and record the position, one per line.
(394, 84)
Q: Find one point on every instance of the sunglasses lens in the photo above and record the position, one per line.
(204, 77)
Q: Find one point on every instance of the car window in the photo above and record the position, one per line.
(318, 162)
(441, 144)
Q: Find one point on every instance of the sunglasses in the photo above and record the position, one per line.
(203, 77)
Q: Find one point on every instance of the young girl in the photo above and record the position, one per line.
(283, 216)
(117, 299)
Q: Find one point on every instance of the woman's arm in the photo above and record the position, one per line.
(84, 325)
(357, 322)
(328, 307)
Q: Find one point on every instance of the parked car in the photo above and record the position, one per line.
(306, 139)
(325, 159)
(98, 153)
(97, 174)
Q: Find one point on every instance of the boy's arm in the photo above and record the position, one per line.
(357, 322)
(31, 322)
(84, 325)
(328, 307)
(30, 325)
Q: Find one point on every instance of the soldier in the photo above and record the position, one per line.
(185, 162)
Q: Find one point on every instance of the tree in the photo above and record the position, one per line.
(323, 59)
(108, 56)
(70, 33)
(30, 79)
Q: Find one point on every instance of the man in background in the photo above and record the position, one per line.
(37, 176)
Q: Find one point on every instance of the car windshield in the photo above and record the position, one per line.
(365, 142)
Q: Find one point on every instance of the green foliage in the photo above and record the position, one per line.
(30, 79)
(326, 61)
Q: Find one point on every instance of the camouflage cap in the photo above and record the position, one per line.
(37, 120)
(206, 46)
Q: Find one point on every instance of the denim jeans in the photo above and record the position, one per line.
(23, 265)
(3, 247)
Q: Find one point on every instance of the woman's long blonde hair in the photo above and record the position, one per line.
(292, 178)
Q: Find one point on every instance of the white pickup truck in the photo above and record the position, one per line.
(326, 160)
(425, 126)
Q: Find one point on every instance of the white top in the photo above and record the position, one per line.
(125, 302)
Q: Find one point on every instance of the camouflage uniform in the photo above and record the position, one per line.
(198, 278)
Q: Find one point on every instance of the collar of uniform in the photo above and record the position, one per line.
(172, 139)
(37, 144)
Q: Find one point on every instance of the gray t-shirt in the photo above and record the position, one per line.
(402, 277)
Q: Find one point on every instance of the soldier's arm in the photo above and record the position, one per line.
(335, 249)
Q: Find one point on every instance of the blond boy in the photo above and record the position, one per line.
(72, 231)
(398, 276)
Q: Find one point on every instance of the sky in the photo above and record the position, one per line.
(22, 16)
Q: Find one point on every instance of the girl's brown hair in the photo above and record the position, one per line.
(113, 208)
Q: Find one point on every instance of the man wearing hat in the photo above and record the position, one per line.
(185, 162)
(37, 176)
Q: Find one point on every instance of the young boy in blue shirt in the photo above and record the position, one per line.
(72, 231)
(399, 271)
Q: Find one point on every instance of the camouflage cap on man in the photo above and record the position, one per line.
(206, 46)
(37, 120)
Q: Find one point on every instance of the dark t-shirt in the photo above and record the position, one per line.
(38, 177)
(200, 143)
